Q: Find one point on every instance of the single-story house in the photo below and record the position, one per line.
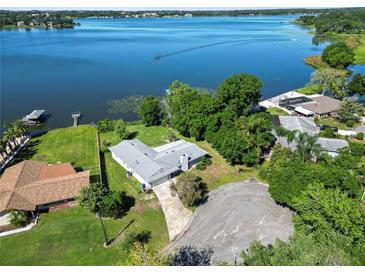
(35, 185)
(307, 125)
(298, 123)
(321, 105)
(303, 105)
(153, 166)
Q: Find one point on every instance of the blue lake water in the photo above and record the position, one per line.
(80, 69)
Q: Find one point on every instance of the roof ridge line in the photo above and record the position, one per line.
(52, 180)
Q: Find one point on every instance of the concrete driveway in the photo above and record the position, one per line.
(235, 215)
(176, 215)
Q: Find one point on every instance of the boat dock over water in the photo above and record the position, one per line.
(76, 117)
(35, 117)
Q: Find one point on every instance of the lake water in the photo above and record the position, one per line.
(81, 69)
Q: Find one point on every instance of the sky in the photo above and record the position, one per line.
(177, 4)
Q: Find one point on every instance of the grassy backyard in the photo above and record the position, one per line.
(74, 236)
(360, 51)
(310, 89)
(75, 145)
(334, 123)
(220, 172)
(277, 111)
(215, 175)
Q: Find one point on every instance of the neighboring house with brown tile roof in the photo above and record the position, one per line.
(34, 184)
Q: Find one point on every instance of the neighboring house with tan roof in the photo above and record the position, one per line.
(296, 103)
(32, 185)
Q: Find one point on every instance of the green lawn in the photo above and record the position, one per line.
(360, 51)
(277, 111)
(75, 145)
(74, 236)
(310, 89)
(334, 123)
(220, 172)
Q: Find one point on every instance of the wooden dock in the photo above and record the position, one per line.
(76, 118)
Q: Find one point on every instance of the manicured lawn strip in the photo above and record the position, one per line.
(277, 111)
(75, 145)
(151, 136)
(334, 123)
(360, 51)
(309, 89)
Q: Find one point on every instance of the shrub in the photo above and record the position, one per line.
(18, 218)
(172, 137)
(206, 161)
(357, 149)
(360, 136)
(121, 129)
(328, 133)
(190, 188)
(115, 204)
(105, 125)
(142, 237)
(190, 256)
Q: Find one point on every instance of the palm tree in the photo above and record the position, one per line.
(11, 135)
(3, 148)
(20, 127)
(308, 147)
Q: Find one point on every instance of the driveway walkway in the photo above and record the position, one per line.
(176, 215)
(235, 215)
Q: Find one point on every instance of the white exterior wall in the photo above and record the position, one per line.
(125, 166)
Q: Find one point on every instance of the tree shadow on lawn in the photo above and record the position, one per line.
(132, 135)
(120, 232)
(27, 152)
(104, 175)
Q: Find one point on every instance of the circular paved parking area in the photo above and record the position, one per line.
(233, 216)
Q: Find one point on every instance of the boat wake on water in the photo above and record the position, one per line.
(159, 57)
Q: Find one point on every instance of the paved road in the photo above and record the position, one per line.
(176, 215)
(235, 215)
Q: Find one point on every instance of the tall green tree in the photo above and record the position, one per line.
(357, 84)
(240, 92)
(308, 148)
(329, 213)
(338, 55)
(350, 112)
(120, 128)
(150, 111)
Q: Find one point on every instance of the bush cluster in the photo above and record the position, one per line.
(206, 161)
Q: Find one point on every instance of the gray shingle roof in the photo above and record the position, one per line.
(301, 124)
(332, 145)
(328, 145)
(152, 164)
(322, 104)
